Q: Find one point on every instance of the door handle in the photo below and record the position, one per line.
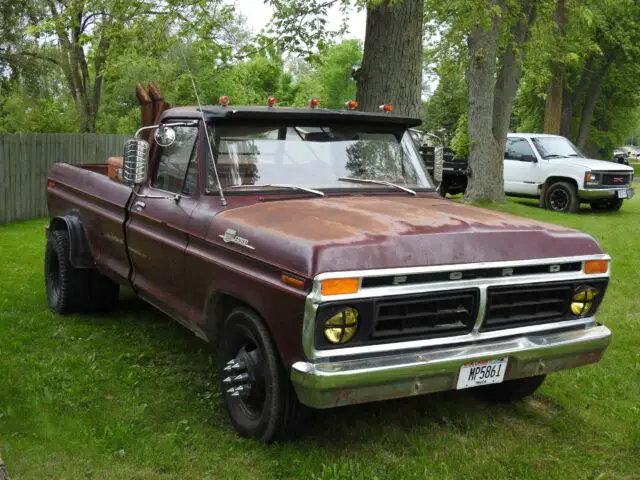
(139, 206)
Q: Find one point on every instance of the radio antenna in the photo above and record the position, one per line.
(223, 200)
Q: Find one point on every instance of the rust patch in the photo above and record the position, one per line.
(354, 218)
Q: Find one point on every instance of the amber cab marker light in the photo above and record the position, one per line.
(352, 105)
(387, 107)
(223, 100)
(596, 266)
(340, 286)
(292, 281)
(271, 101)
(314, 103)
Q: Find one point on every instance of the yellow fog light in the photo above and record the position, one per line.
(342, 326)
(582, 300)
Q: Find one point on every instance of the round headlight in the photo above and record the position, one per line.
(582, 300)
(342, 326)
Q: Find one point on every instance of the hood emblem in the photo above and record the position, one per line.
(230, 236)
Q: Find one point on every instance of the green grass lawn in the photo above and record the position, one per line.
(132, 395)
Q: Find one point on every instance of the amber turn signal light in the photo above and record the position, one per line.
(292, 281)
(340, 286)
(596, 266)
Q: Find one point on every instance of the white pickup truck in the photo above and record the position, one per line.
(551, 168)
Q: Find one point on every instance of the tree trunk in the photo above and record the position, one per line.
(553, 105)
(571, 99)
(591, 99)
(486, 171)
(391, 70)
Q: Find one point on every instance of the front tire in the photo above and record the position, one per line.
(257, 392)
(612, 204)
(511, 390)
(562, 197)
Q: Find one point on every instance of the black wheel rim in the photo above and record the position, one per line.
(243, 378)
(559, 199)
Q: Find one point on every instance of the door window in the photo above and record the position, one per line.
(517, 148)
(177, 171)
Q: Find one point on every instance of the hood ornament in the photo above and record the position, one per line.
(230, 236)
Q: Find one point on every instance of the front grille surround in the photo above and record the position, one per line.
(608, 179)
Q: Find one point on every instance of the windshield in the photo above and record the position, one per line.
(550, 147)
(313, 157)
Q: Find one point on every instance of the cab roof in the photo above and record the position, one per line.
(288, 114)
(532, 135)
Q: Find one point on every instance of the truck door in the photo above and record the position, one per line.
(520, 167)
(157, 235)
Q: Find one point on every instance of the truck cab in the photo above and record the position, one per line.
(551, 168)
(310, 249)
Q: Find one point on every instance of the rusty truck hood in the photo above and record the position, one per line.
(316, 235)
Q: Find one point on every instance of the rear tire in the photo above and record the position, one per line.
(67, 287)
(511, 390)
(562, 197)
(266, 406)
(607, 204)
(71, 289)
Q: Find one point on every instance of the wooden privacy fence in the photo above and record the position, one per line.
(26, 159)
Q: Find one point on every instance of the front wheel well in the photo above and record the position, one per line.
(218, 309)
(551, 180)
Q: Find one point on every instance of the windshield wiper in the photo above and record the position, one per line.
(553, 155)
(281, 185)
(377, 182)
(575, 155)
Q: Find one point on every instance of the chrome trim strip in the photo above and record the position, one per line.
(458, 267)
(315, 298)
(482, 308)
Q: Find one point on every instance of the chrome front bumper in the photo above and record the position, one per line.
(596, 193)
(344, 382)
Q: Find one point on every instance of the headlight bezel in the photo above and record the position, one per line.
(593, 179)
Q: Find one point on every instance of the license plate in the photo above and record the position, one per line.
(486, 372)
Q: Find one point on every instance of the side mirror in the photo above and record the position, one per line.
(135, 161)
(529, 158)
(165, 136)
(438, 164)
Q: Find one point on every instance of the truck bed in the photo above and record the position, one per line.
(100, 203)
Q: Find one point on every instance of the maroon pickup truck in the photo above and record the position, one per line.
(309, 248)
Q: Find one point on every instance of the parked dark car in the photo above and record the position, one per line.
(455, 170)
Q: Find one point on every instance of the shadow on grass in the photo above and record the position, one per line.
(584, 210)
(333, 429)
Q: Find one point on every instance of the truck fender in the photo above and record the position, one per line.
(79, 251)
